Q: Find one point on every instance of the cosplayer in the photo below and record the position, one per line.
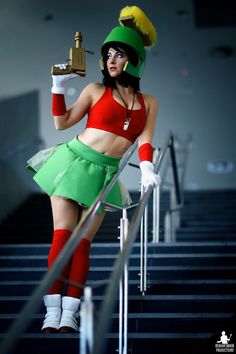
(74, 173)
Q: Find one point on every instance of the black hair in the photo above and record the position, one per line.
(125, 79)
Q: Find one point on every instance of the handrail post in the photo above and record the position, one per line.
(86, 322)
(156, 208)
(143, 248)
(126, 288)
(123, 290)
(174, 169)
(175, 215)
(172, 218)
(167, 227)
(156, 214)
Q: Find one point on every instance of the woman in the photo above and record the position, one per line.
(76, 172)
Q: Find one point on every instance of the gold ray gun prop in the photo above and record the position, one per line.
(77, 59)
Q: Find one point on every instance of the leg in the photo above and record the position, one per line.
(79, 269)
(80, 258)
(65, 215)
(94, 226)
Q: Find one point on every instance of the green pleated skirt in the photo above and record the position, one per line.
(75, 171)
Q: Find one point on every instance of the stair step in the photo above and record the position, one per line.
(148, 303)
(192, 235)
(134, 260)
(144, 322)
(192, 286)
(157, 272)
(166, 343)
(169, 286)
(207, 223)
(113, 248)
(208, 228)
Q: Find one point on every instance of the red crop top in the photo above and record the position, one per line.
(107, 114)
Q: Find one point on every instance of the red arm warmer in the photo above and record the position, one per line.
(145, 152)
(58, 105)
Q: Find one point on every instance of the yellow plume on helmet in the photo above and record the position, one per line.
(134, 17)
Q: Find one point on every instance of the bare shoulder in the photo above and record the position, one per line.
(150, 101)
(93, 87)
(93, 90)
(149, 98)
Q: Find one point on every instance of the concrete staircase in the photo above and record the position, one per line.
(191, 297)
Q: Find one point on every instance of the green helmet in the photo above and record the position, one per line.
(128, 36)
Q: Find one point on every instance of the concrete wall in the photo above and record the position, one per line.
(19, 136)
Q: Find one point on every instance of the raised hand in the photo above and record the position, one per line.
(59, 81)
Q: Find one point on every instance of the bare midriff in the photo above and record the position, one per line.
(105, 142)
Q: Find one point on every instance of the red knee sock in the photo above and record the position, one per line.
(79, 268)
(60, 237)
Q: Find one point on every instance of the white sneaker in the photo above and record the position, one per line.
(70, 314)
(53, 314)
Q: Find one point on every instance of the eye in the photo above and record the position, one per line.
(120, 55)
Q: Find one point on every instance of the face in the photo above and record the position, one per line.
(116, 60)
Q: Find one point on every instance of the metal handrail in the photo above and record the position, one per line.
(112, 287)
(30, 307)
(183, 146)
(178, 194)
(172, 214)
(187, 146)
